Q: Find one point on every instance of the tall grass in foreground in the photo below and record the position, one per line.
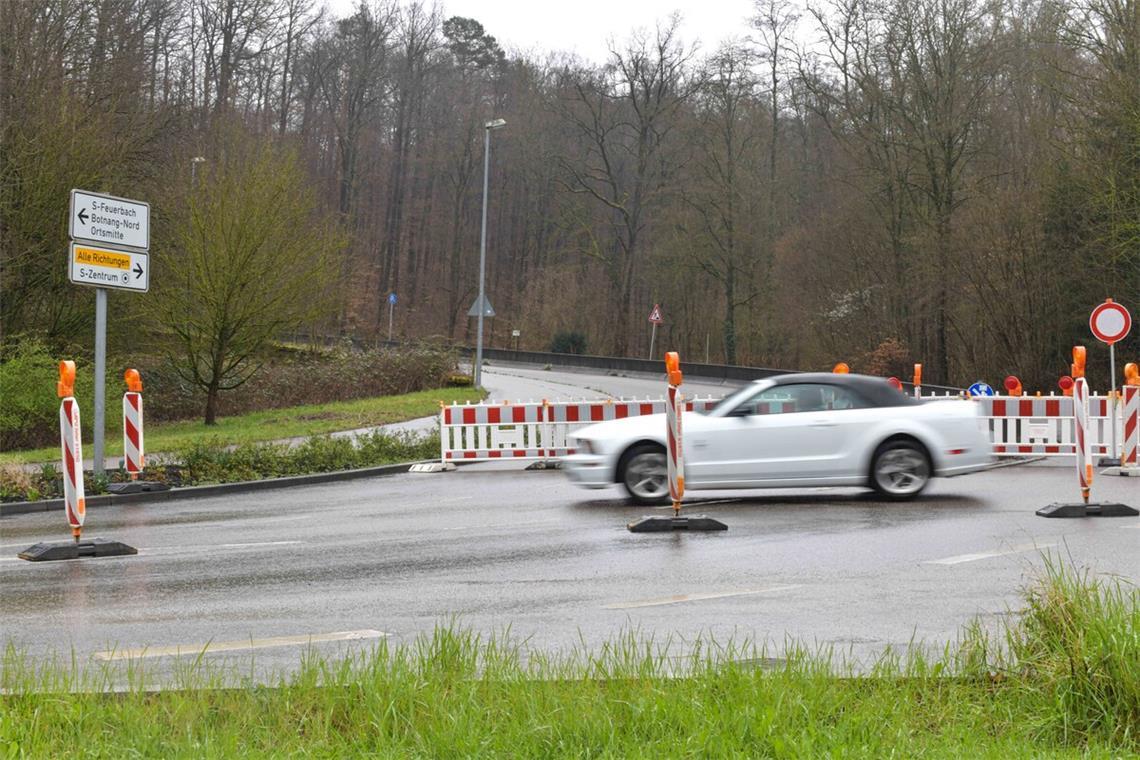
(1063, 679)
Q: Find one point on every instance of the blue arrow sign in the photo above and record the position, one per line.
(392, 298)
(980, 389)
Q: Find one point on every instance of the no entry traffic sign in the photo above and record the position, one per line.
(1110, 322)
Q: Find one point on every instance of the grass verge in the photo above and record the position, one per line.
(271, 425)
(1062, 679)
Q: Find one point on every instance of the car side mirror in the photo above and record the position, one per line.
(741, 411)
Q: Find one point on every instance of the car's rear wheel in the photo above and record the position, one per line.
(645, 475)
(900, 469)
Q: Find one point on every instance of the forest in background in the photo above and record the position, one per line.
(955, 182)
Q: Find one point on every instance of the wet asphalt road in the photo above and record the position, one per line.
(492, 546)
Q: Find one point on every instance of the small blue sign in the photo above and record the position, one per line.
(392, 298)
(980, 389)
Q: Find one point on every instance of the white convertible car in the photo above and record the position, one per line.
(791, 431)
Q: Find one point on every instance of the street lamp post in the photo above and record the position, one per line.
(494, 124)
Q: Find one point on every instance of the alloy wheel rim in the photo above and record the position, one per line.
(902, 471)
(647, 477)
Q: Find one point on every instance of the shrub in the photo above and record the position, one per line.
(29, 407)
(568, 343)
(210, 461)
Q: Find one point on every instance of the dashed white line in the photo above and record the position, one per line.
(960, 558)
(681, 598)
(241, 645)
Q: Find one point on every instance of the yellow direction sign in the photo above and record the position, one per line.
(109, 268)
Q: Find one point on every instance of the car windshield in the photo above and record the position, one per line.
(731, 400)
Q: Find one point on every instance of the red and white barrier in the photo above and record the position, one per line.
(1081, 427)
(133, 449)
(535, 430)
(1043, 425)
(674, 452)
(1131, 437)
(133, 433)
(71, 448)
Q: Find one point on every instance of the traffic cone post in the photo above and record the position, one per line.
(675, 463)
(74, 501)
(134, 449)
(1084, 508)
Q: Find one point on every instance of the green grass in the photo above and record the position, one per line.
(271, 425)
(1062, 680)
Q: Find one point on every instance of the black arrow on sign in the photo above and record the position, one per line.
(138, 270)
(82, 215)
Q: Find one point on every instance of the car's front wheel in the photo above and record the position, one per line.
(900, 470)
(645, 474)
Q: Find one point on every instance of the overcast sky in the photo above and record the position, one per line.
(584, 26)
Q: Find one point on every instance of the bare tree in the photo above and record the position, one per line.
(625, 117)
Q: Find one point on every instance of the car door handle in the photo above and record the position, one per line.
(701, 444)
(822, 424)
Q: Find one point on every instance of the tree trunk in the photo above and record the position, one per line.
(212, 391)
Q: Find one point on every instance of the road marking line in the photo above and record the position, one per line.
(960, 558)
(692, 598)
(240, 645)
(258, 543)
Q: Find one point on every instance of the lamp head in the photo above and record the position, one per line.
(495, 124)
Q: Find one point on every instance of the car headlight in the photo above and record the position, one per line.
(582, 445)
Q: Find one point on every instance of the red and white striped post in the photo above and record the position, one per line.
(133, 449)
(1131, 427)
(72, 449)
(1081, 438)
(675, 453)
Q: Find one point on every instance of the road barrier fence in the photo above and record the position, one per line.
(538, 430)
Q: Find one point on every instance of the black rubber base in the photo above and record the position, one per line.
(137, 486)
(94, 547)
(666, 524)
(1108, 462)
(1095, 509)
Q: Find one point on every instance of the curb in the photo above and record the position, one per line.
(194, 492)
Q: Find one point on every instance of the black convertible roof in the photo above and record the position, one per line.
(874, 389)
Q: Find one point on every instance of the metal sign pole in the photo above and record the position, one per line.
(100, 374)
(391, 307)
(1115, 453)
(652, 339)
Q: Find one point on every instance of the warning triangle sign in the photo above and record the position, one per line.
(655, 315)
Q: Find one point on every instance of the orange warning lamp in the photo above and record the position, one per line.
(673, 367)
(918, 374)
(1013, 385)
(134, 382)
(1079, 356)
(66, 385)
(841, 369)
(1131, 374)
(1066, 385)
(895, 383)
